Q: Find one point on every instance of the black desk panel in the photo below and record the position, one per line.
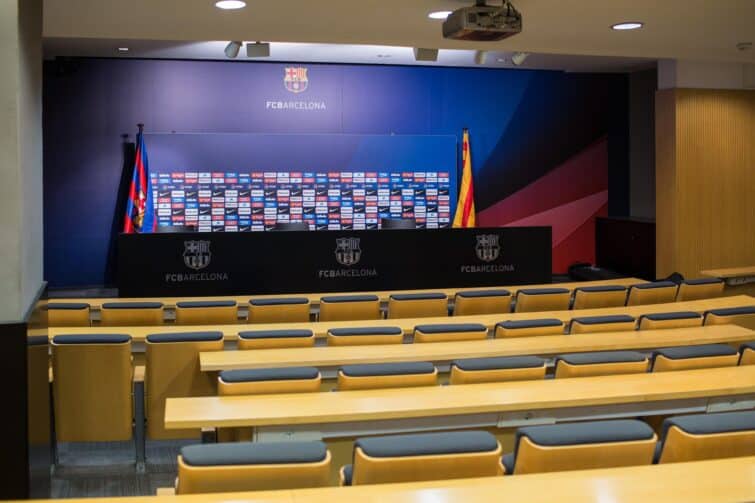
(204, 264)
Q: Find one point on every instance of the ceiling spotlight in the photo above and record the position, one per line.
(519, 57)
(230, 4)
(479, 57)
(422, 54)
(232, 49)
(441, 14)
(631, 25)
(257, 50)
(123, 49)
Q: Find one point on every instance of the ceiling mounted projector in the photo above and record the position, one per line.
(483, 23)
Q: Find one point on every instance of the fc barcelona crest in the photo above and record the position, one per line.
(348, 252)
(197, 254)
(487, 247)
(296, 80)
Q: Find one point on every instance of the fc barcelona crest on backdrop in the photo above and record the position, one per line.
(348, 252)
(197, 254)
(487, 247)
(296, 80)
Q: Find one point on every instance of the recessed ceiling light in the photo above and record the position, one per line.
(123, 49)
(230, 4)
(441, 14)
(632, 25)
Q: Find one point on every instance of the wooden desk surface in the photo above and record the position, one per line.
(322, 357)
(730, 272)
(715, 481)
(433, 401)
(139, 334)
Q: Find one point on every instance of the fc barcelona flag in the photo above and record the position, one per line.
(140, 211)
(465, 214)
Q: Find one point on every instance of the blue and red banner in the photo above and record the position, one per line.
(140, 212)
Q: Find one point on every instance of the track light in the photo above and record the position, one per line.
(519, 57)
(232, 49)
(257, 50)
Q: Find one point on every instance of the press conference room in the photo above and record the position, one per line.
(439, 250)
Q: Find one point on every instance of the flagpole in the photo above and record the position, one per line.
(141, 127)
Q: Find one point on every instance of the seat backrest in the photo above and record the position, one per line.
(658, 292)
(529, 328)
(216, 312)
(479, 370)
(67, 314)
(708, 436)
(387, 375)
(450, 332)
(283, 310)
(350, 307)
(600, 363)
(595, 297)
(482, 302)
(365, 336)
(417, 305)
(172, 371)
(743, 316)
(542, 299)
(702, 288)
(747, 354)
(591, 324)
(247, 466)
(679, 319)
(129, 314)
(694, 357)
(268, 381)
(271, 339)
(92, 387)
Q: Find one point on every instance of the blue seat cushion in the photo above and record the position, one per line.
(597, 320)
(279, 302)
(442, 328)
(602, 357)
(508, 462)
(91, 339)
(185, 337)
(603, 288)
(348, 474)
(707, 424)
(132, 305)
(484, 293)
(427, 444)
(275, 334)
(702, 281)
(205, 303)
(592, 432)
(543, 322)
(419, 296)
(503, 363)
(72, 306)
(341, 332)
(732, 311)
(542, 291)
(701, 351)
(388, 369)
(253, 453)
(655, 284)
(276, 374)
(680, 315)
(349, 298)
(747, 345)
(37, 340)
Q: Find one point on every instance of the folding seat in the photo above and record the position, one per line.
(125, 314)
(92, 387)
(248, 466)
(657, 292)
(513, 368)
(423, 456)
(417, 305)
(482, 302)
(67, 314)
(595, 297)
(581, 446)
(444, 332)
(542, 299)
(694, 357)
(387, 375)
(679, 319)
(702, 288)
(743, 316)
(613, 323)
(600, 363)
(529, 328)
(747, 354)
(270, 339)
(213, 312)
(365, 336)
(350, 307)
(172, 371)
(288, 310)
(707, 436)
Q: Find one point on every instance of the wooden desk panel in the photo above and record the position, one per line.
(730, 272)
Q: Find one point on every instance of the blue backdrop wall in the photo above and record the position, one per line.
(523, 125)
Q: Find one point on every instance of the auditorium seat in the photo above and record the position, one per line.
(214, 312)
(513, 368)
(707, 436)
(529, 328)
(600, 363)
(482, 302)
(445, 332)
(124, 314)
(694, 357)
(387, 375)
(67, 314)
(248, 466)
(283, 310)
(613, 323)
(670, 320)
(581, 446)
(595, 297)
(350, 307)
(702, 288)
(657, 292)
(172, 371)
(291, 226)
(423, 456)
(365, 336)
(92, 387)
(270, 339)
(417, 305)
(542, 299)
(743, 316)
(747, 354)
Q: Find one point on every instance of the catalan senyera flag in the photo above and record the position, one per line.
(140, 211)
(465, 214)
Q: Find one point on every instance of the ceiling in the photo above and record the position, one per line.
(705, 30)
